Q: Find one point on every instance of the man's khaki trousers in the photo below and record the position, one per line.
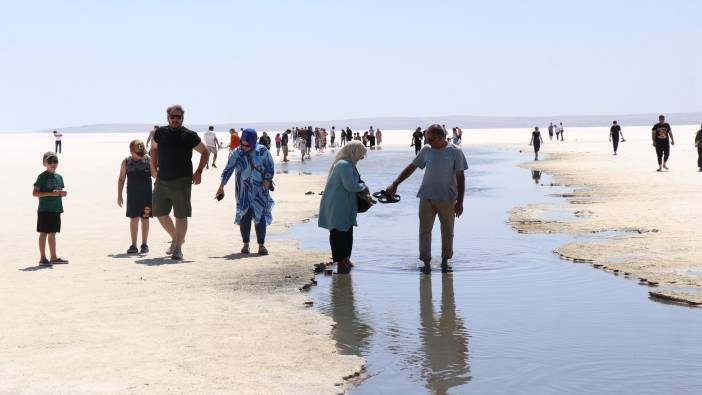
(428, 209)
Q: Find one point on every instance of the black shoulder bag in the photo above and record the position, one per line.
(364, 199)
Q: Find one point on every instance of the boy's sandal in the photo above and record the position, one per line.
(58, 261)
(383, 197)
(262, 250)
(245, 249)
(44, 262)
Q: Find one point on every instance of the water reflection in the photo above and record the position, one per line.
(352, 334)
(444, 339)
(536, 176)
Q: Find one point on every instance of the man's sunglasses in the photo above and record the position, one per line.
(175, 117)
(245, 145)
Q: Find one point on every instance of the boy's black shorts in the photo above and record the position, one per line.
(48, 222)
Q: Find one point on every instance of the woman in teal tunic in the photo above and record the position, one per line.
(339, 205)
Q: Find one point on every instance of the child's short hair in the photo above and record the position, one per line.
(137, 146)
(50, 155)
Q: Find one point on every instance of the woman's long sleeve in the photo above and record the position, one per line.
(348, 178)
(229, 168)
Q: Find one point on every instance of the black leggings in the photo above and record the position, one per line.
(615, 143)
(341, 244)
(662, 151)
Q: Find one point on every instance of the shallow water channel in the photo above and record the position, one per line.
(512, 318)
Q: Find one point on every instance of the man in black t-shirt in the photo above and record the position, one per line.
(417, 138)
(171, 164)
(662, 136)
(614, 132)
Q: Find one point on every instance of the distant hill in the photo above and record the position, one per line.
(392, 123)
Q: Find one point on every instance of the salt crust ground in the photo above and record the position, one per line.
(653, 218)
(111, 323)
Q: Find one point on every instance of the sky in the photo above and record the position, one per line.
(74, 63)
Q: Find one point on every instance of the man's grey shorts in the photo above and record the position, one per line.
(175, 194)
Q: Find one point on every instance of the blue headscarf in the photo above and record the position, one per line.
(249, 135)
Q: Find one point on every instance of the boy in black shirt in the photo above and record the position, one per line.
(662, 136)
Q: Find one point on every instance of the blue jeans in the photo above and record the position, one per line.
(245, 228)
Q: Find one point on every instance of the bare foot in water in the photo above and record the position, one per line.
(426, 269)
(445, 267)
(343, 267)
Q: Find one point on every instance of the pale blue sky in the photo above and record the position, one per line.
(83, 62)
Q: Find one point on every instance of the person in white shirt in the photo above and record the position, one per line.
(212, 144)
(57, 143)
(151, 135)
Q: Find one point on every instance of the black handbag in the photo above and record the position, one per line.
(364, 202)
(364, 199)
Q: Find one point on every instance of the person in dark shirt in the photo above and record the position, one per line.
(417, 138)
(698, 144)
(265, 140)
(614, 134)
(536, 141)
(560, 130)
(308, 138)
(49, 188)
(136, 172)
(662, 136)
(171, 164)
(284, 144)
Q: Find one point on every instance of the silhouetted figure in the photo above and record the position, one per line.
(536, 141)
(536, 176)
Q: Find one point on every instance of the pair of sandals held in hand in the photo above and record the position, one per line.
(384, 197)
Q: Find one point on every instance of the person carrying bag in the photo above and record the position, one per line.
(345, 195)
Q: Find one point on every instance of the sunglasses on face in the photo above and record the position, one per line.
(245, 145)
(52, 162)
(175, 117)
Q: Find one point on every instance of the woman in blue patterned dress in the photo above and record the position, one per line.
(254, 168)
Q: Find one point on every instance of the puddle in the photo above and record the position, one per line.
(512, 317)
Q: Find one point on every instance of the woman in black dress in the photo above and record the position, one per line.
(136, 170)
(536, 141)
